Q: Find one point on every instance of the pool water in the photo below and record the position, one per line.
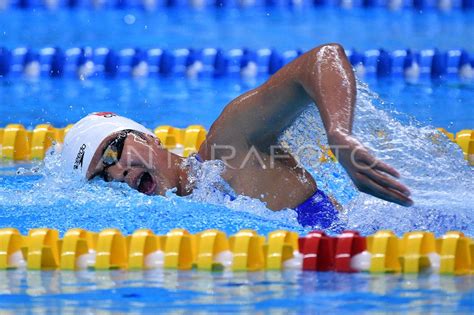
(237, 28)
(48, 197)
(291, 292)
(42, 196)
(182, 102)
(395, 119)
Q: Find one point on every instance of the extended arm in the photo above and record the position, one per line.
(323, 76)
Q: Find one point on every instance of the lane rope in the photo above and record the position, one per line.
(212, 250)
(20, 144)
(87, 62)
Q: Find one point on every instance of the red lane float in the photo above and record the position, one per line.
(318, 251)
(349, 244)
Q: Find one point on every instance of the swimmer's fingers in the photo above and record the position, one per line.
(377, 171)
(369, 186)
(384, 167)
(386, 181)
(365, 157)
(373, 176)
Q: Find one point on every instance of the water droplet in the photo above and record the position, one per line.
(129, 19)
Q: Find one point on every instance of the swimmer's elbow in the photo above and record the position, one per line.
(319, 61)
(331, 50)
(334, 46)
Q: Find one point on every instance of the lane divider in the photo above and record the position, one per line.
(385, 250)
(19, 144)
(465, 140)
(417, 247)
(150, 5)
(212, 250)
(247, 249)
(317, 250)
(76, 245)
(87, 62)
(350, 246)
(143, 243)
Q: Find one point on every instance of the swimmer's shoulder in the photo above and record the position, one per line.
(223, 140)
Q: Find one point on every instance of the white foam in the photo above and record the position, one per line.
(431, 165)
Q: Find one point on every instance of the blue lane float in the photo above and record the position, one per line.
(154, 4)
(85, 62)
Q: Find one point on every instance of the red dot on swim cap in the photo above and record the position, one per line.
(105, 114)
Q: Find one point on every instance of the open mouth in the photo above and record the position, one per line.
(146, 184)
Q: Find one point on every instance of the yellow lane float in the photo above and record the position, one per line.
(19, 144)
(212, 250)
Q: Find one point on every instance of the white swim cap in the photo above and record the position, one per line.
(83, 139)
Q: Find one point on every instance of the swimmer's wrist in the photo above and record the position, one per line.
(336, 135)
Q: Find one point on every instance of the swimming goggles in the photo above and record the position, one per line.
(113, 151)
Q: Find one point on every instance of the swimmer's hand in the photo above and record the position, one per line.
(370, 175)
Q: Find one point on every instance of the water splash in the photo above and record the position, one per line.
(210, 187)
(51, 197)
(429, 163)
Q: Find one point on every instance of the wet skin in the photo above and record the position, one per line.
(245, 133)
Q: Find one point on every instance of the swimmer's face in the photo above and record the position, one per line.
(135, 158)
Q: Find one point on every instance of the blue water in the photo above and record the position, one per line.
(180, 103)
(430, 165)
(152, 292)
(397, 125)
(235, 28)
(412, 111)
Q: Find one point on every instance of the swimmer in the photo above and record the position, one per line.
(245, 138)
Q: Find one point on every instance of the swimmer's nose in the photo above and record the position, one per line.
(117, 173)
(129, 175)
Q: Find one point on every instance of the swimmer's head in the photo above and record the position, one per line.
(87, 135)
(116, 148)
